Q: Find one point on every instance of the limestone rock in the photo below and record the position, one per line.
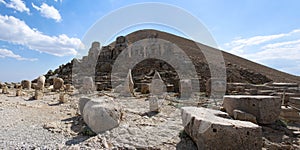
(18, 92)
(157, 86)
(38, 94)
(128, 85)
(240, 115)
(26, 84)
(290, 114)
(82, 102)
(266, 109)
(155, 103)
(185, 88)
(210, 129)
(58, 83)
(101, 115)
(5, 89)
(62, 98)
(87, 86)
(40, 83)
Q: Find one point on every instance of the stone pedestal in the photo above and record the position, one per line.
(38, 94)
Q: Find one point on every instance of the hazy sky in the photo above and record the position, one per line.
(39, 35)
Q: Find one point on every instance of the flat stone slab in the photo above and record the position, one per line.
(211, 129)
(266, 109)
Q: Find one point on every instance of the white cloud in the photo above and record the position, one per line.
(48, 11)
(18, 32)
(18, 5)
(7, 53)
(269, 49)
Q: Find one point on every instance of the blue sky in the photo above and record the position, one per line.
(39, 35)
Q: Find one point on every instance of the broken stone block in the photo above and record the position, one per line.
(5, 89)
(211, 129)
(157, 86)
(40, 83)
(18, 92)
(58, 83)
(266, 109)
(290, 114)
(38, 94)
(26, 84)
(101, 115)
(87, 85)
(185, 88)
(128, 85)
(82, 102)
(240, 115)
(62, 98)
(155, 103)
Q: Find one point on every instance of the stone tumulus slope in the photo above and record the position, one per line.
(237, 69)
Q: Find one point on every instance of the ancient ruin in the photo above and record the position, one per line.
(155, 105)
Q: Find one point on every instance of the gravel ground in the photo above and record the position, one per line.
(47, 124)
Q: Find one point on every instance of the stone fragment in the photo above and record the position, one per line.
(5, 89)
(290, 114)
(19, 92)
(68, 87)
(101, 115)
(128, 85)
(40, 83)
(82, 102)
(157, 86)
(211, 129)
(266, 109)
(240, 115)
(185, 88)
(38, 94)
(87, 85)
(26, 84)
(58, 83)
(62, 98)
(155, 103)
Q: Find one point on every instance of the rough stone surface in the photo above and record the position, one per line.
(128, 85)
(87, 85)
(82, 102)
(101, 115)
(157, 86)
(38, 94)
(295, 102)
(211, 129)
(240, 115)
(289, 114)
(26, 84)
(40, 83)
(155, 104)
(185, 88)
(266, 109)
(58, 83)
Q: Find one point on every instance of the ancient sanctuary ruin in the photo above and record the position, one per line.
(154, 90)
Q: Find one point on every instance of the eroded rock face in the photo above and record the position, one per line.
(210, 129)
(101, 115)
(266, 109)
(26, 84)
(58, 83)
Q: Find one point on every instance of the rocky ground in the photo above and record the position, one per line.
(48, 124)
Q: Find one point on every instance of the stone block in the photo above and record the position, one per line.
(101, 115)
(240, 115)
(26, 84)
(38, 94)
(266, 109)
(211, 129)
